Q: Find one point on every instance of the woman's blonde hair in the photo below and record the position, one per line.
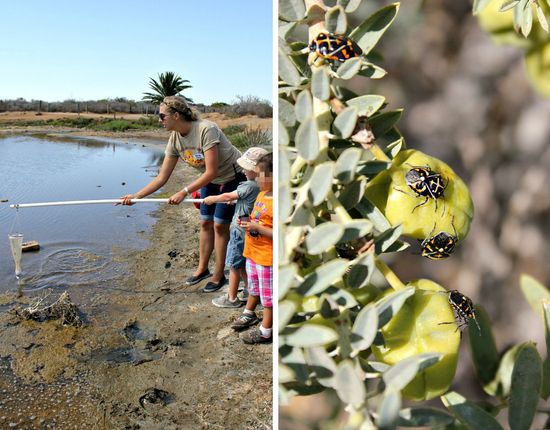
(179, 104)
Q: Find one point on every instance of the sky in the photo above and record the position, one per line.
(56, 50)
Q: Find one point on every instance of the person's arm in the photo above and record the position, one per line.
(211, 173)
(254, 226)
(165, 171)
(220, 198)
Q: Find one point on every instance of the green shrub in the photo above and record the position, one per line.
(349, 189)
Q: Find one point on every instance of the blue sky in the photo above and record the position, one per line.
(55, 50)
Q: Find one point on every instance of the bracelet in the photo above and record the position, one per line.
(186, 190)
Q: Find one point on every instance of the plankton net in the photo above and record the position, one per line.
(16, 245)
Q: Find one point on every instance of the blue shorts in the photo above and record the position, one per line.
(235, 248)
(220, 213)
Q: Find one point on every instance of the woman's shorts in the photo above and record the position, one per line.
(220, 213)
(235, 248)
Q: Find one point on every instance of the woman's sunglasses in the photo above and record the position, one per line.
(162, 116)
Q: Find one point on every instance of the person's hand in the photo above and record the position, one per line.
(209, 200)
(126, 200)
(177, 198)
(249, 225)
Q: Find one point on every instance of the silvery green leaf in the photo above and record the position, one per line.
(349, 384)
(364, 329)
(303, 217)
(310, 335)
(391, 304)
(394, 148)
(322, 365)
(287, 278)
(320, 83)
(346, 165)
(383, 242)
(285, 202)
(355, 229)
(384, 122)
(285, 29)
(304, 106)
(307, 139)
(329, 308)
(321, 179)
(479, 5)
(370, 31)
(545, 392)
(349, 5)
(484, 350)
(508, 4)
(341, 297)
(284, 166)
(286, 311)
(285, 374)
(323, 277)
(352, 194)
(388, 410)
(315, 13)
(323, 237)
(361, 271)
(469, 413)
(534, 292)
(292, 237)
(372, 168)
(541, 17)
(286, 113)
(527, 21)
(372, 71)
(424, 417)
(368, 210)
(294, 359)
(292, 10)
(525, 389)
(345, 122)
(287, 70)
(400, 374)
(368, 104)
(518, 14)
(349, 68)
(335, 20)
(283, 135)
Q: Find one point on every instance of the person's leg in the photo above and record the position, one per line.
(234, 279)
(265, 285)
(248, 317)
(206, 245)
(221, 238)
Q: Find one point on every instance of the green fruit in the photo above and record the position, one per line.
(399, 203)
(416, 329)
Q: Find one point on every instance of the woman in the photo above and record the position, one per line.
(202, 145)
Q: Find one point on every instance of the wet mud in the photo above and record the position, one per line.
(153, 353)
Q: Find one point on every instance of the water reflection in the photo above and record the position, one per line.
(80, 245)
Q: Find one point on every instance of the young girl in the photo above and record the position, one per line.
(258, 250)
(245, 195)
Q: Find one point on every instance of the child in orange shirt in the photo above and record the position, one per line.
(258, 250)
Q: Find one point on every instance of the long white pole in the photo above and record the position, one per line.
(96, 202)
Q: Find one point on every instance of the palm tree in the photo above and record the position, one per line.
(168, 84)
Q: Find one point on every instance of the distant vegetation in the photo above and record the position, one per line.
(168, 84)
(244, 105)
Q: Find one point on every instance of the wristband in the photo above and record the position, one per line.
(186, 190)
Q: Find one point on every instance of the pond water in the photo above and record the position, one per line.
(80, 245)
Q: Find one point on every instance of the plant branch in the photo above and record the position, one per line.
(390, 276)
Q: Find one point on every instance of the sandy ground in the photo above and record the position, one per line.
(153, 354)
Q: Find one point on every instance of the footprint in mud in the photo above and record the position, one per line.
(155, 398)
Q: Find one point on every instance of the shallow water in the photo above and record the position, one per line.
(80, 245)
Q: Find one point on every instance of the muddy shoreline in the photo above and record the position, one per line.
(153, 353)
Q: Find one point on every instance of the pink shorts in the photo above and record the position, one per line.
(260, 282)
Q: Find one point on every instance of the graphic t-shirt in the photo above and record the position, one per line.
(260, 248)
(203, 136)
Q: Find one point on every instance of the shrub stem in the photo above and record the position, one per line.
(390, 276)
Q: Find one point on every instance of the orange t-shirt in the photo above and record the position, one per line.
(260, 248)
